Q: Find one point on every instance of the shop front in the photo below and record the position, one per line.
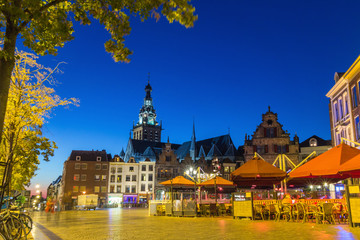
(115, 199)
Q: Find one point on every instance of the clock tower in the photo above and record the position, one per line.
(147, 128)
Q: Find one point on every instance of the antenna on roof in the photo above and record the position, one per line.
(148, 77)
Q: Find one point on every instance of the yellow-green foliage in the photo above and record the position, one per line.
(31, 99)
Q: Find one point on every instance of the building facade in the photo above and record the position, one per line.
(269, 140)
(85, 172)
(344, 107)
(130, 182)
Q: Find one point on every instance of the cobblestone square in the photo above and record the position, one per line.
(137, 224)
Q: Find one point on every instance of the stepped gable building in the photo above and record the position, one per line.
(314, 143)
(85, 172)
(269, 140)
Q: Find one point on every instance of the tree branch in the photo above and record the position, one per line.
(41, 9)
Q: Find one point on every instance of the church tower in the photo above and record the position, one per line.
(147, 127)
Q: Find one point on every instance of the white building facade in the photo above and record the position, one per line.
(130, 182)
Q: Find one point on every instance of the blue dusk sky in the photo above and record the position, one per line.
(239, 58)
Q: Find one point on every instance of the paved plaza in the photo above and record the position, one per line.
(136, 224)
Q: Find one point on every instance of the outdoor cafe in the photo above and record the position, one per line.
(260, 191)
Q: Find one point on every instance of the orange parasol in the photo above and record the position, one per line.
(219, 181)
(178, 181)
(257, 168)
(351, 167)
(257, 172)
(328, 164)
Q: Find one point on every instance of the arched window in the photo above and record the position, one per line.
(313, 142)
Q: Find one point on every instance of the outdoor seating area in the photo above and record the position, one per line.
(254, 194)
(320, 211)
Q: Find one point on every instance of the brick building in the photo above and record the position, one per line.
(85, 172)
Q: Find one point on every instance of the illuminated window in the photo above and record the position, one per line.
(336, 115)
(118, 188)
(346, 105)
(97, 177)
(82, 188)
(76, 177)
(313, 142)
(96, 189)
(75, 188)
(103, 177)
(354, 97)
(103, 189)
(357, 128)
(143, 177)
(150, 187)
(341, 108)
(119, 178)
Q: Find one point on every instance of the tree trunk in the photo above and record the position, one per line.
(7, 61)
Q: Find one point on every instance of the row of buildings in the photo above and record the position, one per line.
(133, 176)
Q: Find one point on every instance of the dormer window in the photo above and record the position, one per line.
(78, 158)
(313, 142)
(98, 159)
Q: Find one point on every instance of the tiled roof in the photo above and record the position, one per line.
(320, 142)
(140, 146)
(222, 144)
(88, 155)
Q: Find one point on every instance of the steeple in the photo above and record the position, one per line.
(147, 113)
(147, 128)
(192, 146)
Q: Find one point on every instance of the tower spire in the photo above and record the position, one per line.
(193, 142)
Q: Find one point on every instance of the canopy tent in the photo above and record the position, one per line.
(178, 181)
(257, 172)
(328, 164)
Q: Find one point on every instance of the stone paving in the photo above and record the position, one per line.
(137, 224)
